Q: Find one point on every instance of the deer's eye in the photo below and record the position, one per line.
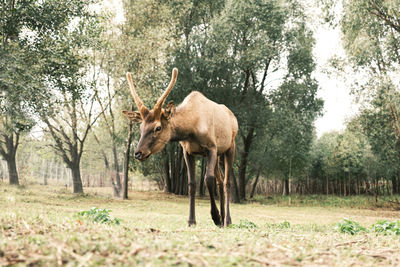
(158, 128)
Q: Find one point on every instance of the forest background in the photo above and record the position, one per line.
(62, 69)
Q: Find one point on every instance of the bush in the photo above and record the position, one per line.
(348, 226)
(244, 224)
(98, 215)
(387, 228)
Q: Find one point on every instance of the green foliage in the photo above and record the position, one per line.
(348, 226)
(243, 224)
(283, 225)
(387, 227)
(371, 34)
(98, 215)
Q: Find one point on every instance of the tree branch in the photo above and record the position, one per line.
(59, 144)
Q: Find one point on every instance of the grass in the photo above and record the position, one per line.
(39, 226)
(365, 202)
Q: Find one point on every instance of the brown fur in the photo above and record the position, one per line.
(202, 127)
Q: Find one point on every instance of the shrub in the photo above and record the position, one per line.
(348, 226)
(387, 228)
(98, 215)
(244, 224)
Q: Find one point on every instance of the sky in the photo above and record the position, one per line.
(338, 103)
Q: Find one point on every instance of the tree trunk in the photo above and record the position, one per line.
(247, 141)
(394, 185)
(9, 152)
(12, 170)
(285, 189)
(116, 167)
(167, 172)
(349, 188)
(255, 183)
(76, 178)
(290, 182)
(327, 185)
(344, 186)
(126, 161)
(398, 185)
(202, 173)
(235, 190)
(108, 171)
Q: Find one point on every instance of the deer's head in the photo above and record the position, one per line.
(155, 131)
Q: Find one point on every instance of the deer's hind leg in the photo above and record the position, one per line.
(190, 164)
(228, 159)
(210, 182)
(220, 184)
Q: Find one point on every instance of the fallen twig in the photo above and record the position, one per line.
(351, 242)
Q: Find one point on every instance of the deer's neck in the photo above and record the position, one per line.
(181, 128)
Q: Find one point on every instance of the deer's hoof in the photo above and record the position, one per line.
(217, 220)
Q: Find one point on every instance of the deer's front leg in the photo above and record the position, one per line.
(190, 164)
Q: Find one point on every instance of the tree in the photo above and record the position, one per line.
(15, 105)
(323, 164)
(371, 33)
(247, 51)
(20, 88)
(377, 123)
(68, 112)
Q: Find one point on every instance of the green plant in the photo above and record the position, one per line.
(244, 224)
(284, 224)
(348, 226)
(98, 215)
(386, 227)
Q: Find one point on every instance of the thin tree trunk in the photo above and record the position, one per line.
(116, 191)
(289, 182)
(349, 182)
(255, 183)
(235, 190)
(394, 185)
(167, 187)
(344, 186)
(247, 141)
(126, 161)
(327, 185)
(398, 185)
(202, 173)
(116, 167)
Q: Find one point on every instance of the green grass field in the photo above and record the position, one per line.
(39, 226)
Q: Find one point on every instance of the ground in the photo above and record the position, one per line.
(38, 226)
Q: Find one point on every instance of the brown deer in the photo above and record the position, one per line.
(202, 127)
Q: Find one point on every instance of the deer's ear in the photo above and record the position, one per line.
(132, 115)
(169, 110)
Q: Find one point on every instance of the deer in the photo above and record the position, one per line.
(202, 127)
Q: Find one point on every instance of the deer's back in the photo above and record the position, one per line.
(213, 124)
